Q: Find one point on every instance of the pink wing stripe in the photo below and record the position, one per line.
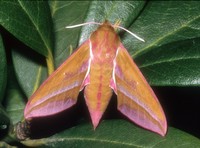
(140, 119)
(135, 99)
(57, 92)
(45, 111)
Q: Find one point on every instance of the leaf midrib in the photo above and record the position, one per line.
(94, 139)
(168, 61)
(37, 28)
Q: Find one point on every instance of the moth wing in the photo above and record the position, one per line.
(61, 89)
(136, 100)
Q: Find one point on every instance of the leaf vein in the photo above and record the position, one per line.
(165, 36)
(36, 26)
(97, 140)
(168, 61)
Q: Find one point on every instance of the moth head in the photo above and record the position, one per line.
(107, 25)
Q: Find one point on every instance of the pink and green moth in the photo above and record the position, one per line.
(100, 66)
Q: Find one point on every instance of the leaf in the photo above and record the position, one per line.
(126, 12)
(177, 64)
(30, 22)
(15, 105)
(30, 70)
(115, 133)
(167, 22)
(29, 67)
(66, 13)
(14, 100)
(3, 70)
(170, 55)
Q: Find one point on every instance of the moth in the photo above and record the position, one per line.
(100, 66)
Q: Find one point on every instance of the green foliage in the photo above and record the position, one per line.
(3, 70)
(14, 102)
(116, 134)
(30, 22)
(169, 57)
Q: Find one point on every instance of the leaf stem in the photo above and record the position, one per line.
(50, 62)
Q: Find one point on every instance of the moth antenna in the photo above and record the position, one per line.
(116, 25)
(83, 24)
(137, 37)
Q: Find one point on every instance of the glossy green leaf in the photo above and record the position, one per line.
(3, 70)
(30, 22)
(15, 105)
(164, 22)
(99, 11)
(30, 70)
(109, 10)
(116, 133)
(14, 100)
(171, 51)
(66, 13)
(177, 64)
